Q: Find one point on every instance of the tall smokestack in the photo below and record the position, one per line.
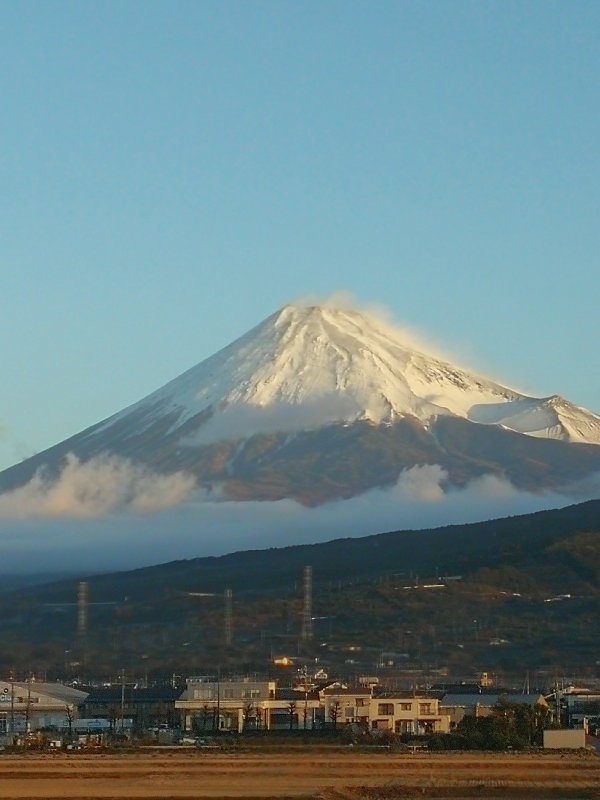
(82, 609)
(228, 617)
(307, 627)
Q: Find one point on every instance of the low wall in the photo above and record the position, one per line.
(564, 739)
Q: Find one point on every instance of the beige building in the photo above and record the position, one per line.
(342, 705)
(237, 705)
(414, 715)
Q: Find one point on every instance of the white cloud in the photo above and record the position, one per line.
(86, 490)
(422, 484)
(241, 421)
(193, 524)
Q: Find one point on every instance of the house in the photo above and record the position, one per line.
(292, 708)
(210, 703)
(343, 704)
(403, 714)
(32, 705)
(247, 704)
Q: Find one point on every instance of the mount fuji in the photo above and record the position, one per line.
(319, 403)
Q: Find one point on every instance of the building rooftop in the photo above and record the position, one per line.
(491, 699)
(58, 691)
(112, 694)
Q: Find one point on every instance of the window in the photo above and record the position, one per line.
(361, 702)
(386, 709)
(425, 708)
(203, 694)
(380, 725)
(228, 694)
(405, 706)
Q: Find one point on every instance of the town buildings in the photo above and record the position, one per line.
(242, 704)
(245, 704)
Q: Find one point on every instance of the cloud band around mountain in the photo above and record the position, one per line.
(95, 488)
(109, 513)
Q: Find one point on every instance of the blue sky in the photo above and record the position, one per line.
(173, 172)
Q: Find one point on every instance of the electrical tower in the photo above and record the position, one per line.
(228, 617)
(307, 626)
(82, 609)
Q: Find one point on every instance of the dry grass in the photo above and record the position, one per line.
(329, 776)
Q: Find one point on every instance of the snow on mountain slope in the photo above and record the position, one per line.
(307, 366)
(550, 417)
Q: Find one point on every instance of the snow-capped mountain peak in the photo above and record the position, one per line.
(317, 403)
(309, 365)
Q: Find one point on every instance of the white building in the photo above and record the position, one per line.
(32, 705)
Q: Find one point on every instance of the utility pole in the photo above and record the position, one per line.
(219, 698)
(122, 700)
(28, 706)
(305, 676)
(558, 699)
(12, 705)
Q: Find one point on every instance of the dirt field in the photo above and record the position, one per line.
(333, 776)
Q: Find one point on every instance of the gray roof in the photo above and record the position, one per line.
(58, 691)
(491, 699)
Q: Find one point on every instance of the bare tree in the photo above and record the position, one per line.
(69, 714)
(292, 712)
(113, 715)
(247, 714)
(334, 713)
(205, 716)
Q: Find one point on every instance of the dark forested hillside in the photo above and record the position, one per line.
(449, 550)
(521, 592)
